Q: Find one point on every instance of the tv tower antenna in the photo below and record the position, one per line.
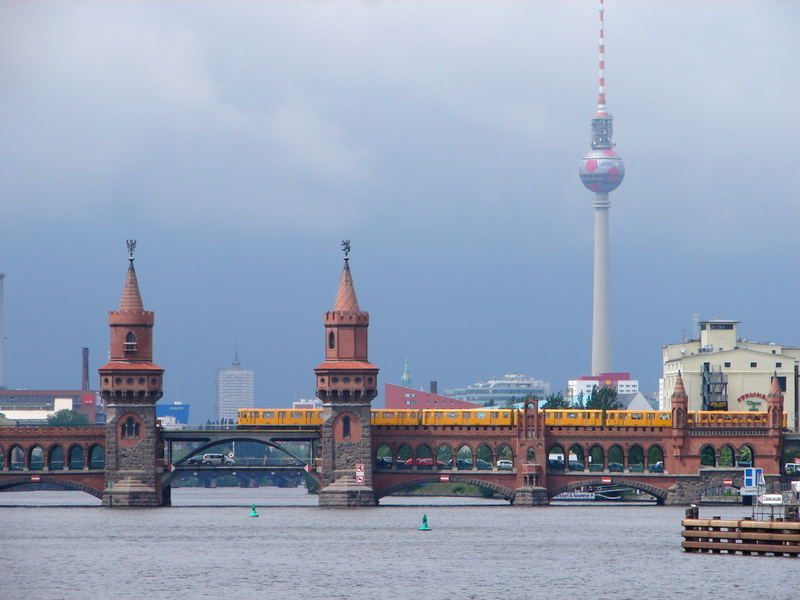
(601, 171)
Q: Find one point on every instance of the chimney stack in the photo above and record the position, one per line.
(85, 377)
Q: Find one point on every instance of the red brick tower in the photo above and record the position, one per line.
(346, 383)
(680, 410)
(130, 385)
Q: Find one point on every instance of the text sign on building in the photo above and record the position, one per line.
(771, 499)
(748, 490)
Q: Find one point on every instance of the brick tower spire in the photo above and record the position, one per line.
(130, 385)
(346, 383)
(775, 404)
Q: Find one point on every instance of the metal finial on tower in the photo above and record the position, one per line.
(346, 249)
(131, 248)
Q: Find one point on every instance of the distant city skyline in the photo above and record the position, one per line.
(239, 143)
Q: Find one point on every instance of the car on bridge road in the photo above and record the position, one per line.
(217, 459)
(615, 466)
(505, 465)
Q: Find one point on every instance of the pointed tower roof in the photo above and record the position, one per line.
(346, 300)
(131, 298)
(405, 379)
(775, 387)
(679, 389)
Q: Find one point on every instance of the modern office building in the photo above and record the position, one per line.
(580, 389)
(234, 391)
(175, 413)
(512, 388)
(34, 406)
(721, 371)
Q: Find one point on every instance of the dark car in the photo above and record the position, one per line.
(575, 465)
(615, 466)
(195, 460)
(383, 462)
(657, 467)
(555, 464)
(482, 464)
(463, 464)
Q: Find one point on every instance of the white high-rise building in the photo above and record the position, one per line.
(234, 391)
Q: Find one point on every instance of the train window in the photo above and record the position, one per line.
(296, 415)
(505, 414)
(637, 416)
(585, 415)
(664, 417)
(482, 415)
(268, 415)
(452, 415)
(388, 415)
(572, 415)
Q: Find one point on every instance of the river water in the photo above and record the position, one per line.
(61, 546)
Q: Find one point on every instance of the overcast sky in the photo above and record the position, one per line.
(239, 142)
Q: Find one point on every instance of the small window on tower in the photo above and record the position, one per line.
(130, 342)
(331, 341)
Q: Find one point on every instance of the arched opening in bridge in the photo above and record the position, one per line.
(17, 459)
(464, 458)
(635, 459)
(383, 457)
(655, 459)
(56, 462)
(484, 458)
(424, 457)
(97, 457)
(708, 457)
(36, 461)
(504, 452)
(577, 458)
(555, 458)
(746, 456)
(444, 457)
(76, 457)
(51, 491)
(597, 458)
(727, 456)
(404, 455)
(466, 485)
(616, 458)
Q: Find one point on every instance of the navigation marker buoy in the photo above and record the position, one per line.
(424, 526)
(253, 512)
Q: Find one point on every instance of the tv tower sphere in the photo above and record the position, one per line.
(602, 170)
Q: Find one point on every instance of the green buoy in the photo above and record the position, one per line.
(253, 512)
(424, 526)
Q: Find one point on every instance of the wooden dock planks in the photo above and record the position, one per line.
(746, 536)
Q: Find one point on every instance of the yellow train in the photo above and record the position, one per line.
(495, 417)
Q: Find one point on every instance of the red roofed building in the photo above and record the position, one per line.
(397, 397)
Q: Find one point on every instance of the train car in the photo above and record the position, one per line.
(575, 417)
(730, 418)
(396, 417)
(252, 417)
(470, 417)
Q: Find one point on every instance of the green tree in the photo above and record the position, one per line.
(557, 400)
(604, 399)
(68, 418)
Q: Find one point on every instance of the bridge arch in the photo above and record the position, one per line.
(16, 458)
(6, 484)
(746, 456)
(727, 456)
(203, 448)
(76, 457)
(465, 457)
(444, 456)
(55, 460)
(502, 491)
(708, 456)
(36, 458)
(655, 454)
(659, 494)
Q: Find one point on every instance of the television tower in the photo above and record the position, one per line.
(601, 171)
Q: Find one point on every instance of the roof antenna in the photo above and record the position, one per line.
(131, 248)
